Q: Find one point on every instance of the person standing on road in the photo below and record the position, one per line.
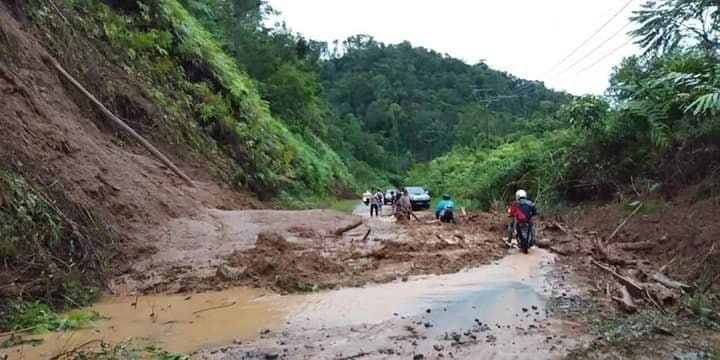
(381, 200)
(374, 205)
(404, 207)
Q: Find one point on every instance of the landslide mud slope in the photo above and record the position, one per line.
(50, 133)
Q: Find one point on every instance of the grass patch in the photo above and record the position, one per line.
(306, 202)
(346, 206)
(37, 317)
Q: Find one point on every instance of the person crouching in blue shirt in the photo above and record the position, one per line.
(444, 210)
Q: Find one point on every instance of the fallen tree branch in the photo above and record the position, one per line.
(670, 282)
(635, 289)
(215, 308)
(74, 350)
(123, 125)
(617, 229)
(443, 239)
(608, 255)
(705, 258)
(347, 228)
(356, 356)
(652, 301)
(664, 267)
(626, 301)
(634, 246)
(366, 235)
(711, 283)
(18, 331)
(415, 216)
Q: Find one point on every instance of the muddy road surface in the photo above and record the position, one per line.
(297, 251)
(495, 311)
(286, 284)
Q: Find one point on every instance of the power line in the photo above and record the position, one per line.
(591, 37)
(596, 48)
(604, 56)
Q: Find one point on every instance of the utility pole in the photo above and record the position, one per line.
(487, 99)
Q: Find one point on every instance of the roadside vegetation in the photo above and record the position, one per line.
(39, 244)
(657, 128)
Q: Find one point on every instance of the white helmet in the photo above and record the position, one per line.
(520, 194)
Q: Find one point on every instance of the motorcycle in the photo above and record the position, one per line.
(448, 216)
(523, 232)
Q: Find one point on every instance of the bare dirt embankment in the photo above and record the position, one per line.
(110, 191)
(652, 272)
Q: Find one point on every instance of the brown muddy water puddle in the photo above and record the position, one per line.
(495, 294)
(175, 322)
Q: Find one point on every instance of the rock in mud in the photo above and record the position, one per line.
(438, 347)
(229, 273)
(418, 357)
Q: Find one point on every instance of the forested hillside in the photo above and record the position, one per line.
(656, 129)
(418, 104)
(381, 107)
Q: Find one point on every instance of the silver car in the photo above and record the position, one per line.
(419, 197)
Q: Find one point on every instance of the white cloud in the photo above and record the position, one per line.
(523, 37)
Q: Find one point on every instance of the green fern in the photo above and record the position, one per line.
(705, 104)
(656, 121)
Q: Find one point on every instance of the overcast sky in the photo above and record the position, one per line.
(524, 37)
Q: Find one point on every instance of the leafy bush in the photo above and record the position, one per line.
(36, 316)
(27, 222)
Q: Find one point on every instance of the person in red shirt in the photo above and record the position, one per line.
(522, 210)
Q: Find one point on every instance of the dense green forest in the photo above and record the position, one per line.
(303, 118)
(381, 107)
(656, 129)
(418, 104)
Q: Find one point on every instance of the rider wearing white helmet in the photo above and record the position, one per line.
(522, 209)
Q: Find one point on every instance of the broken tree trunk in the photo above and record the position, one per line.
(670, 282)
(123, 125)
(609, 254)
(347, 228)
(626, 301)
(634, 287)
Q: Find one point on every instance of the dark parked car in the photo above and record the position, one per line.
(419, 197)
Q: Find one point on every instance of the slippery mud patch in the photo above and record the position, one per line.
(493, 310)
(496, 311)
